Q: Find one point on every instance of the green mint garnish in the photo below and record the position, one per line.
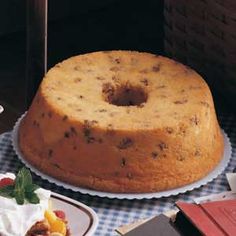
(7, 191)
(32, 197)
(22, 189)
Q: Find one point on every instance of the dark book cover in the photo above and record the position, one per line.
(158, 226)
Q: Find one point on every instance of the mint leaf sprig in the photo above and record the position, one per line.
(22, 189)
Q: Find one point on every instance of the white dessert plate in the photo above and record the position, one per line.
(211, 176)
(82, 220)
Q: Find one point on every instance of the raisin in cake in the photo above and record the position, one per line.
(122, 121)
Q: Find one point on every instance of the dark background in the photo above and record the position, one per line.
(128, 24)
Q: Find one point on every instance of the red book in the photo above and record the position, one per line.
(216, 218)
(223, 213)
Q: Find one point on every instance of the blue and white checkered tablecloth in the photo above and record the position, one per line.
(113, 212)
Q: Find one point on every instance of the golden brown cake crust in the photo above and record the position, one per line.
(122, 121)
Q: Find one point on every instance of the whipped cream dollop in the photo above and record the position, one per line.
(16, 220)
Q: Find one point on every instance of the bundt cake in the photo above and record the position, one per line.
(122, 121)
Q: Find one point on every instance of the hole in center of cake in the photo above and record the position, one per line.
(124, 95)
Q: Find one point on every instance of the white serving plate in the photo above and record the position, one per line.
(211, 176)
(82, 220)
